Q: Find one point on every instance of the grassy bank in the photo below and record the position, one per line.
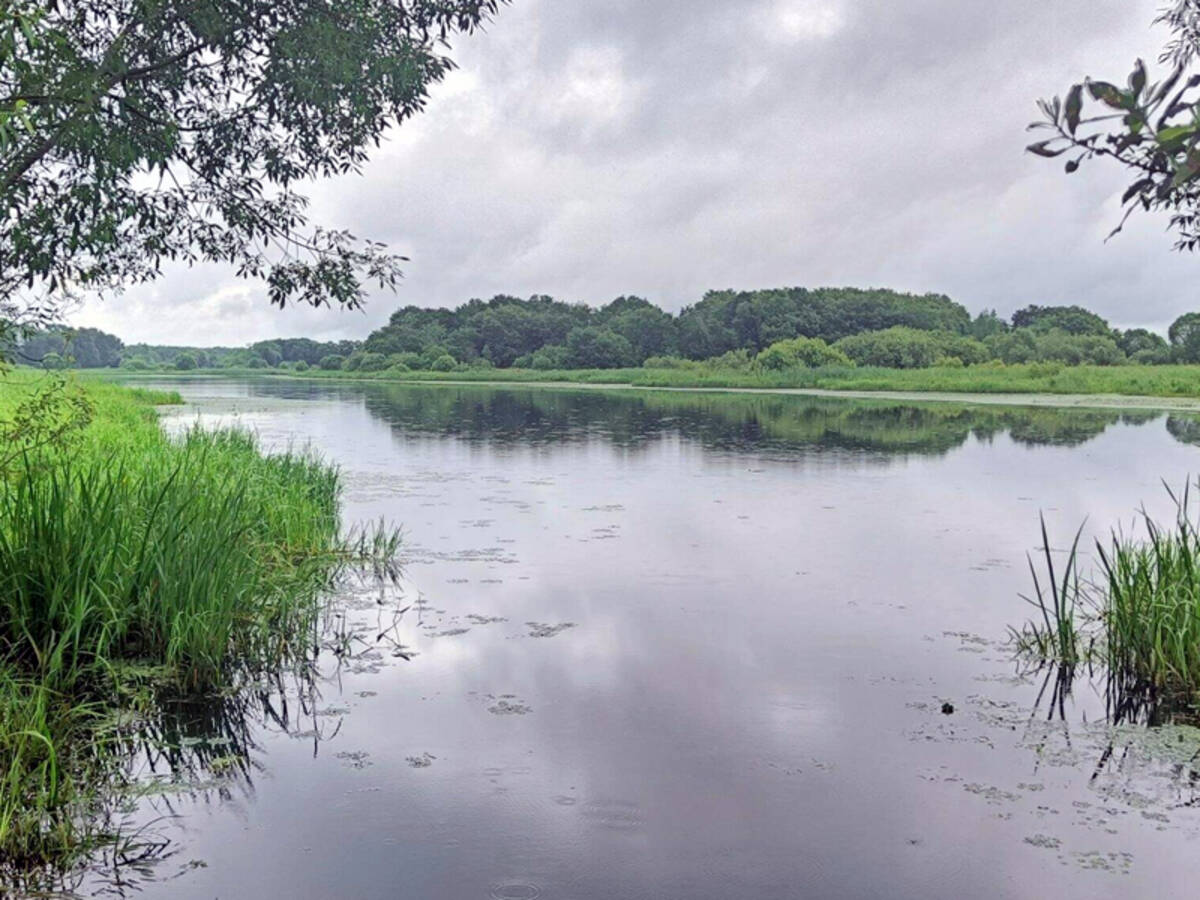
(1033, 378)
(132, 562)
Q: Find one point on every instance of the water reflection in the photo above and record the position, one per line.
(750, 698)
(727, 421)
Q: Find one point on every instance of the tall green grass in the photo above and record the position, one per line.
(199, 558)
(1137, 614)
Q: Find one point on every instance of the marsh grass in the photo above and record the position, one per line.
(1057, 596)
(128, 559)
(1137, 615)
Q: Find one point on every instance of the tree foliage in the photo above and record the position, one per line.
(1152, 128)
(138, 131)
(1071, 319)
(84, 348)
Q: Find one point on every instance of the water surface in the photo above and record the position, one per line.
(693, 646)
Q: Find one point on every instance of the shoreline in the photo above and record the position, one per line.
(965, 398)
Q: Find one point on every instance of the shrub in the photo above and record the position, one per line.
(738, 360)
(968, 350)
(1013, 347)
(801, 352)
(372, 362)
(1151, 357)
(598, 348)
(256, 362)
(301, 366)
(352, 362)
(185, 362)
(331, 362)
(1077, 349)
(553, 356)
(430, 355)
(398, 367)
(444, 363)
(669, 362)
(411, 360)
(892, 348)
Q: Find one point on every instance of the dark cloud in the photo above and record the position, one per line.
(589, 148)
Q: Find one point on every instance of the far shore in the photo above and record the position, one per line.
(942, 389)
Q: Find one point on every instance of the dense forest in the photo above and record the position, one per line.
(768, 329)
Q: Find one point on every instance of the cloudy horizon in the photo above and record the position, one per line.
(590, 149)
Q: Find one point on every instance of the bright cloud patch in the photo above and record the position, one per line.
(800, 20)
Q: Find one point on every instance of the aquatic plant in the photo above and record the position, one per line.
(1138, 615)
(195, 564)
(1056, 637)
(1150, 604)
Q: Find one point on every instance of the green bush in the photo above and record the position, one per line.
(432, 354)
(801, 352)
(892, 348)
(444, 363)
(598, 348)
(409, 360)
(185, 362)
(1151, 357)
(669, 362)
(372, 362)
(550, 357)
(1013, 347)
(256, 362)
(737, 360)
(332, 362)
(398, 367)
(352, 362)
(1078, 349)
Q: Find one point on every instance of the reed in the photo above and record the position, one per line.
(1138, 614)
(200, 558)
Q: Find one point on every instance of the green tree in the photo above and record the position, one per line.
(1150, 128)
(138, 131)
(1184, 335)
(1143, 345)
(372, 362)
(1071, 319)
(986, 324)
(598, 348)
(649, 330)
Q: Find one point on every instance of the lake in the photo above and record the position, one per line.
(657, 645)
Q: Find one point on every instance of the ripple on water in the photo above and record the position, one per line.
(515, 890)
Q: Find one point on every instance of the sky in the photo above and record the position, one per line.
(588, 149)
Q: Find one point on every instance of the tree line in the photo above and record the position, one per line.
(773, 329)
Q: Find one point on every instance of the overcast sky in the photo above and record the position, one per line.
(592, 148)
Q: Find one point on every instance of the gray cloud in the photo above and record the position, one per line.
(589, 148)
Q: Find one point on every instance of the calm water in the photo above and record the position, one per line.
(688, 646)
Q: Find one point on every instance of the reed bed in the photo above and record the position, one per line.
(199, 558)
(1137, 614)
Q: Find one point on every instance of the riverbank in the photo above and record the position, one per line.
(1172, 388)
(135, 569)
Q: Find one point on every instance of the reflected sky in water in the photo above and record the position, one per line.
(697, 646)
